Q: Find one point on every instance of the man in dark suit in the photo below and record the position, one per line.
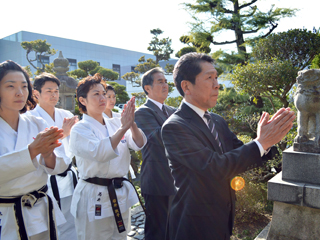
(205, 155)
(156, 180)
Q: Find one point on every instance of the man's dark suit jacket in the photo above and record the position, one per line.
(156, 178)
(204, 205)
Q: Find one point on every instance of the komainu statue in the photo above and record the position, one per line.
(307, 101)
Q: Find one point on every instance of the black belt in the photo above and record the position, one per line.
(28, 200)
(112, 184)
(54, 184)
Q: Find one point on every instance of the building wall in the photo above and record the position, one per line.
(10, 48)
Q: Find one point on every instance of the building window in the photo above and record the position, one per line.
(116, 68)
(72, 64)
(44, 59)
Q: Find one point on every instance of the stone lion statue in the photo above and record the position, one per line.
(307, 101)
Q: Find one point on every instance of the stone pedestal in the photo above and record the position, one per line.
(301, 166)
(296, 195)
(293, 222)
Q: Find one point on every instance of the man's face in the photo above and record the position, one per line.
(159, 89)
(204, 93)
(49, 95)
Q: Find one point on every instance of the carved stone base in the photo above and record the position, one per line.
(292, 222)
(300, 166)
(296, 213)
(306, 147)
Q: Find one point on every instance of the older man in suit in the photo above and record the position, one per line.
(156, 180)
(205, 155)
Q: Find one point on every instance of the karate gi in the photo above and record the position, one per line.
(117, 116)
(20, 175)
(114, 115)
(66, 231)
(90, 143)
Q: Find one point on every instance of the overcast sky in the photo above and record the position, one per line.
(125, 23)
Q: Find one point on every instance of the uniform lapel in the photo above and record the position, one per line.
(198, 123)
(94, 125)
(45, 115)
(22, 140)
(58, 119)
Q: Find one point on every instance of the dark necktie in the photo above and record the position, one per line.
(211, 127)
(164, 111)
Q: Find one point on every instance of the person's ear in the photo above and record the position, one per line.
(36, 94)
(83, 101)
(185, 85)
(147, 88)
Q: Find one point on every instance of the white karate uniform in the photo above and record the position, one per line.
(114, 115)
(20, 175)
(66, 231)
(90, 143)
(118, 116)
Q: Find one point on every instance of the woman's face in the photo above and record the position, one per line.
(13, 91)
(111, 99)
(96, 100)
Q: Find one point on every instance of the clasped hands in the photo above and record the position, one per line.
(68, 124)
(45, 142)
(272, 131)
(127, 115)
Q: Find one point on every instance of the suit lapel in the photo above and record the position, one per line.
(170, 110)
(157, 110)
(198, 123)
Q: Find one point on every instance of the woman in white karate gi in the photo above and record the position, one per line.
(111, 102)
(101, 148)
(29, 151)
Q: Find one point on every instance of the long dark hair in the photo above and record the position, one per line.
(9, 66)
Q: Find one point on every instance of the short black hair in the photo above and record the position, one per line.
(147, 77)
(109, 87)
(41, 79)
(188, 67)
(84, 87)
(11, 66)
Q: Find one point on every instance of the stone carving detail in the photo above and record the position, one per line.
(61, 65)
(68, 84)
(307, 101)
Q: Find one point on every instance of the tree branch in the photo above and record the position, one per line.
(30, 61)
(226, 42)
(252, 31)
(227, 10)
(248, 4)
(214, 5)
(271, 29)
(254, 9)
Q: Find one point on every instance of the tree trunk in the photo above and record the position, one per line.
(238, 31)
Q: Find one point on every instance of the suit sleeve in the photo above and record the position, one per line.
(148, 123)
(187, 147)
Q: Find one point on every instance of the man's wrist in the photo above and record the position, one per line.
(262, 151)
